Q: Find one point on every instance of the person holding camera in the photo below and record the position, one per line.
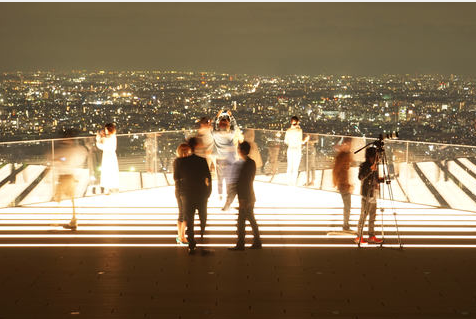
(369, 177)
(106, 141)
(293, 139)
(225, 135)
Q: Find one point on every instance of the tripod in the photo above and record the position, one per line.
(370, 199)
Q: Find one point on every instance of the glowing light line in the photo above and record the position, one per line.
(365, 246)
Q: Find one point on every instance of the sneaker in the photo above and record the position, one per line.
(374, 240)
(256, 246)
(361, 239)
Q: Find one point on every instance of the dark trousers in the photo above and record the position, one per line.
(223, 167)
(189, 206)
(369, 207)
(246, 213)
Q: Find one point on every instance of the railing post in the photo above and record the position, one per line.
(53, 173)
(307, 163)
(406, 155)
(155, 159)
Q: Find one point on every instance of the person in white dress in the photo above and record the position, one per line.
(293, 139)
(106, 141)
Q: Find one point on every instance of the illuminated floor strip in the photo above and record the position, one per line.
(232, 228)
(365, 246)
(224, 236)
(40, 218)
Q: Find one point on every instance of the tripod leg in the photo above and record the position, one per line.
(391, 198)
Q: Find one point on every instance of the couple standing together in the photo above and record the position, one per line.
(194, 186)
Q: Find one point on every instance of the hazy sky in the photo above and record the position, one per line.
(253, 38)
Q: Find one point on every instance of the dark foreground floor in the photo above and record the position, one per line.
(271, 283)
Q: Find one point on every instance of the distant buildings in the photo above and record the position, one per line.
(422, 107)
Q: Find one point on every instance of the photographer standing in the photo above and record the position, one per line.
(368, 175)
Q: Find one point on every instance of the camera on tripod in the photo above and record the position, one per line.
(384, 136)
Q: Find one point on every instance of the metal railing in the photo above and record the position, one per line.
(441, 175)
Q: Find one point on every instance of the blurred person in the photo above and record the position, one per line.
(249, 136)
(194, 174)
(225, 135)
(183, 150)
(369, 190)
(340, 177)
(93, 163)
(69, 157)
(106, 141)
(150, 146)
(311, 161)
(206, 142)
(293, 139)
(246, 198)
(273, 156)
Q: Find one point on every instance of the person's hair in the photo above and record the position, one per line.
(370, 153)
(111, 128)
(183, 150)
(193, 143)
(204, 120)
(347, 140)
(244, 148)
(224, 123)
(295, 118)
(341, 164)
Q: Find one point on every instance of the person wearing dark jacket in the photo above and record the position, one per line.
(196, 188)
(246, 198)
(183, 150)
(368, 175)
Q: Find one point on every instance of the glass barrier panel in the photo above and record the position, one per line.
(23, 167)
(439, 175)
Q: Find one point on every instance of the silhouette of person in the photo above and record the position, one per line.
(106, 141)
(195, 175)
(183, 150)
(340, 177)
(246, 198)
